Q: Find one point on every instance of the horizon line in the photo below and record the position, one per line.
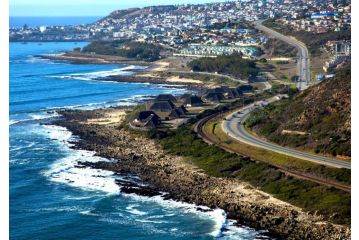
(60, 16)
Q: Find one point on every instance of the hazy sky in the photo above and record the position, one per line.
(84, 7)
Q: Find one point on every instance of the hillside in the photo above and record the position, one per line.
(125, 48)
(233, 65)
(317, 119)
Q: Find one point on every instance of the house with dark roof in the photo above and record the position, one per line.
(165, 109)
(160, 106)
(146, 119)
(213, 96)
(191, 100)
(166, 97)
(228, 92)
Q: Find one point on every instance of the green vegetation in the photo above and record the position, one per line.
(132, 114)
(313, 40)
(332, 203)
(125, 48)
(233, 65)
(321, 114)
(277, 159)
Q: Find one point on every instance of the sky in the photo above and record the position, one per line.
(84, 7)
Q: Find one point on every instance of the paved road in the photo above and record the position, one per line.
(303, 55)
(233, 126)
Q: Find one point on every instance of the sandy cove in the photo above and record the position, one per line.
(184, 182)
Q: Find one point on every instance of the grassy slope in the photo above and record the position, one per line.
(335, 174)
(332, 203)
(322, 112)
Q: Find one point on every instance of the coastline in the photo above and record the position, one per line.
(184, 182)
(86, 58)
(152, 72)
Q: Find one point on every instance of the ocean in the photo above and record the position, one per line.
(52, 199)
(51, 21)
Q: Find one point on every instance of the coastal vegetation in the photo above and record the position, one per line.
(233, 65)
(316, 120)
(341, 175)
(332, 203)
(125, 48)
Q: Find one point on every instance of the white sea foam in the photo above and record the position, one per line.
(65, 171)
(34, 117)
(23, 146)
(132, 209)
(99, 74)
(31, 59)
(218, 216)
(133, 100)
(89, 213)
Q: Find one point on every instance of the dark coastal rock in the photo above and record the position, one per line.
(165, 173)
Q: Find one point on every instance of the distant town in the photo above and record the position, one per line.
(177, 24)
(209, 29)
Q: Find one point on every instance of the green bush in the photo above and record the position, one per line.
(125, 48)
(233, 65)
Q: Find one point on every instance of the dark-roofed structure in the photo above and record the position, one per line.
(166, 97)
(213, 96)
(160, 106)
(165, 109)
(231, 93)
(147, 119)
(191, 101)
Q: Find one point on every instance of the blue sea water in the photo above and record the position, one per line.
(52, 199)
(51, 21)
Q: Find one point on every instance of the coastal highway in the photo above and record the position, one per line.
(303, 66)
(212, 139)
(233, 126)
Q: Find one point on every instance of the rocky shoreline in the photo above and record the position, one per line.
(146, 75)
(86, 58)
(184, 182)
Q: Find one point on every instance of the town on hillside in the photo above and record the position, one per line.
(215, 29)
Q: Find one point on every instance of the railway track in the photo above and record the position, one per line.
(211, 139)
